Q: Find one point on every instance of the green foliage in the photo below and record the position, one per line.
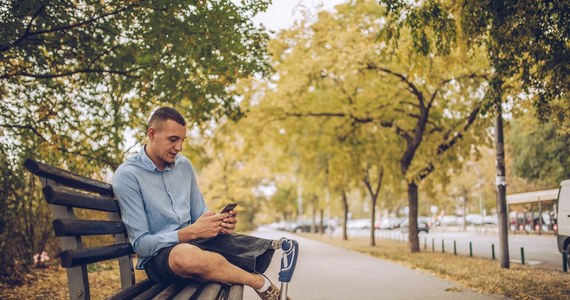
(432, 29)
(525, 41)
(349, 105)
(78, 80)
(539, 153)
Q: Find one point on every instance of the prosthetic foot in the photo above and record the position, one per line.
(288, 262)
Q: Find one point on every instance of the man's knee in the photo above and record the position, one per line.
(188, 261)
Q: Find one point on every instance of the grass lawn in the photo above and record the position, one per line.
(479, 274)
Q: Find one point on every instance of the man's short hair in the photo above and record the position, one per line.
(166, 113)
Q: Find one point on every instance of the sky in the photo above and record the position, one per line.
(281, 14)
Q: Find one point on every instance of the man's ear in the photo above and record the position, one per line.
(151, 132)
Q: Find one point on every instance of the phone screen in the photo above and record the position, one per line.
(228, 207)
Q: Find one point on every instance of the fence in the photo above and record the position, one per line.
(451, 245)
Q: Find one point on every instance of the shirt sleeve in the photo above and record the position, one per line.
(197, 203)
(128, 193)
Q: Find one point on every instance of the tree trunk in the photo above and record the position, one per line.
(501, 188)
(372, 220)
(465, 209)
(413, 217)
(314, 218)
(321, 223)
(345, 217)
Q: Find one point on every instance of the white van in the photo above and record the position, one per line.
(563, 236)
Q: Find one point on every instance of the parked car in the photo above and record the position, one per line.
(390, 223)
(474, 219)
(491, 219)
(450, 221)
(423, 224)
(359, 224)
(306, 227)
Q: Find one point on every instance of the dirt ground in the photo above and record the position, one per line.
(51, 283)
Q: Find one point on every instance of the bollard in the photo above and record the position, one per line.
(470, 249)
(432, 245)
(493, 251)
(564, 262)
(442, 247)
(522, 256)
(454, 247)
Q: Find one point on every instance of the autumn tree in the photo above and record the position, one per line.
(526, 43)
(345, 70)
(78, 80)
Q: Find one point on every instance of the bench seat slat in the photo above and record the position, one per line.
(188, 291)
(236, 292)
(133, 291)
(76, 257)
(67, 178)
(65, 196)
(169, 292)
(212, 291)
(154, 290)
(68, 227)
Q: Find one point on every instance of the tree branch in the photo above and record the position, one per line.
(29, 127)
(444, 82)
(126, 73)
(28, 34)
(415, 91)
(349, 97)
(75, 25)
(448, 143)
(64, 150)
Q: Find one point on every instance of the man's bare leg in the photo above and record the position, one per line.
(189, 261)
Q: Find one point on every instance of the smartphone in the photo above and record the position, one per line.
(228, 207)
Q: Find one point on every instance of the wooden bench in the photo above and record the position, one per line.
(64, 191)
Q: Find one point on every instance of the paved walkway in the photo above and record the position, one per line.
(328, 272)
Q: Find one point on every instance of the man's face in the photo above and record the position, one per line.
(165, 141)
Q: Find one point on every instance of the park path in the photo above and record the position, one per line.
(329, 272)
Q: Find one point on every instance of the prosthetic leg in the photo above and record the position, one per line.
(288, 262)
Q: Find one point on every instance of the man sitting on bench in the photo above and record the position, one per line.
(164, 213)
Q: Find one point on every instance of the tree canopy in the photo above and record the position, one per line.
(539, 153)
(78, 80)
(527, 43)
(338, 81)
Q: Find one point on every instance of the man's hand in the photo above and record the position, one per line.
(229, 223)
(208, 225)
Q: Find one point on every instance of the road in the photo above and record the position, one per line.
(328, 272)
(539, 250)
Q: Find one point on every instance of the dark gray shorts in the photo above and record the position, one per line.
(158, 270)
(249, 253)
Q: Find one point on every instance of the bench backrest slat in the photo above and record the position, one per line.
(68, 197)
(68, 227)
(67, 178)
(76, 257)
(64, 191)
